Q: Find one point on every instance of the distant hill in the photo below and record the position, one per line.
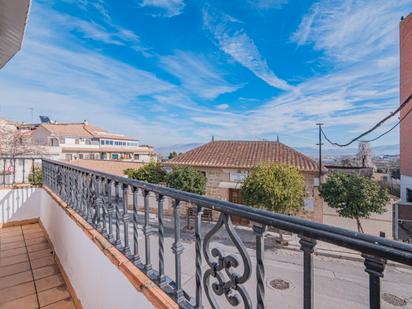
(164, 151)
(377, 151)
(309, 151)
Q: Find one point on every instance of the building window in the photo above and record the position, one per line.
(80, 156)
(409, 195)
(136, 156)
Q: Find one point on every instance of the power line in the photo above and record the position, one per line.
(387, 131)
(375, 126)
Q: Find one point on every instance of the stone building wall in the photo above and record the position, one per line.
(215, 176)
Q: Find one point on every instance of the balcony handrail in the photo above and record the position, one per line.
(103, 200)
(365, 243)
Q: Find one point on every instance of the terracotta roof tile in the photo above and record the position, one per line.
(244, 154)
(82, 130)
(72, 130)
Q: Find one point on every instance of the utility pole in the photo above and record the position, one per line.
(320, 124)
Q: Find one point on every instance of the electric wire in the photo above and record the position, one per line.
(375, 126)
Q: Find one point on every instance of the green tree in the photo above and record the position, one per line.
(275, 187)
(187, 179)
(151, 172)
(354, 197)
(172, 155)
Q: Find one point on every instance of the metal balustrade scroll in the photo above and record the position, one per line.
(102, 199)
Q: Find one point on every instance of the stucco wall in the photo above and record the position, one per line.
(97, 282)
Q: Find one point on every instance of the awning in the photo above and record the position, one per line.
(13, 20)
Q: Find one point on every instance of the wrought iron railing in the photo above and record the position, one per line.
(19, 170)
(102, 199)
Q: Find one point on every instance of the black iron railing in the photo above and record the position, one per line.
(102, 199)
(19, 170)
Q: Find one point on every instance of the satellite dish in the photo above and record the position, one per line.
(44, 119)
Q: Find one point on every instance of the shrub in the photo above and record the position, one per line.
(151, 172)
(187, 179)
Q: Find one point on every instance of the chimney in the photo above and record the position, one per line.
(213, 138)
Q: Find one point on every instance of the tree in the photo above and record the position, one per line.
(151, 172)
(14, 142)
(172, 155)
(365, 155)
(275, 187)
(187, 179)
(354, 197)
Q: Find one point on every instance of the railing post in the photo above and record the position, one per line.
(136, 256)
(147, 232)
(14, 171)
(110, 209)
(160, 201)
(4, 171)
(32, 170)
(199, 244)
(104, 207)
(126, 249)
(24, 160)
(307, 246)
(178, 250)
(374, 266)
(260, 231)
(117, 241)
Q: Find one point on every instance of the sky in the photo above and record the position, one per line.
(181, 71)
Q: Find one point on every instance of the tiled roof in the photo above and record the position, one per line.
(82, 130)
(67, 129)
(244, 154)
(107, 166)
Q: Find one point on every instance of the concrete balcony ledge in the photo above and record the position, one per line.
(99, 274)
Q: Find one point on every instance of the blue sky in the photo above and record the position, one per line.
(179, 71)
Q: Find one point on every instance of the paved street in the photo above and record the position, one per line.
(338, 282)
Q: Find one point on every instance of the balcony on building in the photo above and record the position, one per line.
(72, 237)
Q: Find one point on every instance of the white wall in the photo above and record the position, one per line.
(406, 182)
(97, 282)
(19, 204)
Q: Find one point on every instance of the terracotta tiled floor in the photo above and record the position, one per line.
(29, 276)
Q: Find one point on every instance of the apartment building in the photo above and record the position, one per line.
(405, 92)
(85, 141)
(227, 163)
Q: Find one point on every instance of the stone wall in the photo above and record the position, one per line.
(216, 176)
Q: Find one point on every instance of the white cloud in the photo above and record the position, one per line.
(197, 74)
(268, 4)
(170, 8)
(56, 76)
(301, 35)
(352, 29)
(222, 106)
(234, 41)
